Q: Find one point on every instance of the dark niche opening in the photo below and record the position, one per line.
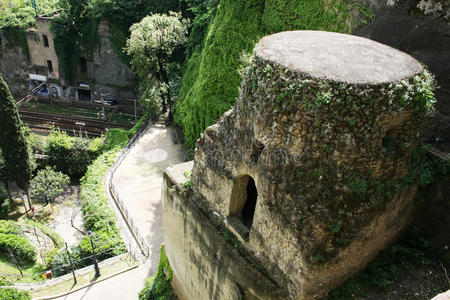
(243, 204)
(248, 212)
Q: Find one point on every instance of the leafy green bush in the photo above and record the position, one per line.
(10, 293)
(48, 184)
(71, 155)
(22, 251)
(9, 227)
(158, 287)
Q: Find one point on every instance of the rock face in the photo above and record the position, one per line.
(14, 67)
(308, 173)
(424, 36)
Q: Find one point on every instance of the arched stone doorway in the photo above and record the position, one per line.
(243, 200)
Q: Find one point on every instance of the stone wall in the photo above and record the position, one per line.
(402, 25)
(325, 127)
(107, 73)
(205, 264)
(14, 67)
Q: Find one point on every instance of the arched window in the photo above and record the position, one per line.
(243, 200)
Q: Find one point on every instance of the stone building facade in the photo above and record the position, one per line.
(103, 74)
(306, 179)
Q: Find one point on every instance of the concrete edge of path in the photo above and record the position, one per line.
(87, 285)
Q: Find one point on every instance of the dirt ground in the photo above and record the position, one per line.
(56, 215)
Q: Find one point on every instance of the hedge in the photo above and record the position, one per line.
(71, 155)
(21, 248)
(10, 293)
(9, 227)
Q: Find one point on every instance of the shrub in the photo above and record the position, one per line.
(11, 293)
(9, 227)
(158, 287)
(20, 248)
(47, 184)
(71, 155)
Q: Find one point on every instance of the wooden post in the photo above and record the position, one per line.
(71, 265)
(97, 270)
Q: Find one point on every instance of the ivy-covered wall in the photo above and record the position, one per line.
(210, 83)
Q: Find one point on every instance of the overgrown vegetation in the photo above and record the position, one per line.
(211, 81)
(71, 155)
(15, 248)
(158, 287)
(151, 45)
(11, 293)
(18, 15)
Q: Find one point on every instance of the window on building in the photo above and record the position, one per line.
(83, 65)
(45, 38)
(50, 66)
(243, 200)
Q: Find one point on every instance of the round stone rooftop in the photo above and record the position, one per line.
(338, 57)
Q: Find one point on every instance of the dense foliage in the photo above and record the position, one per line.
(16, 153)
(47, 184)
(73, 28)
(211, 81)
(151, 45)
(71, 155)
(11, 293)
(17, 250)
(158, 287)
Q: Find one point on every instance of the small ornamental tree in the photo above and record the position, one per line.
(151, 44)
(47, 184)
(13, 144)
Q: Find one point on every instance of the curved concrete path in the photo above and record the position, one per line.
(138, 182)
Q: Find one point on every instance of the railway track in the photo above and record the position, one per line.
(44, 121)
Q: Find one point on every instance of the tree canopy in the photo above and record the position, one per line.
(152, 42)
(48, 184)
(16, 153)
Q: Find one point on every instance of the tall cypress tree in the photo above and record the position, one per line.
(16, 154)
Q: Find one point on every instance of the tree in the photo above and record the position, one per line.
(151, 44)
(16, 153)
(47, 184)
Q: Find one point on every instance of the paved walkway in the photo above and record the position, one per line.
(138, 182)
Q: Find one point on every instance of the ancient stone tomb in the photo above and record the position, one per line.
(306, 177)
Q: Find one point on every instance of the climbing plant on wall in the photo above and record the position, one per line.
(74, 28)
(211, 81)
